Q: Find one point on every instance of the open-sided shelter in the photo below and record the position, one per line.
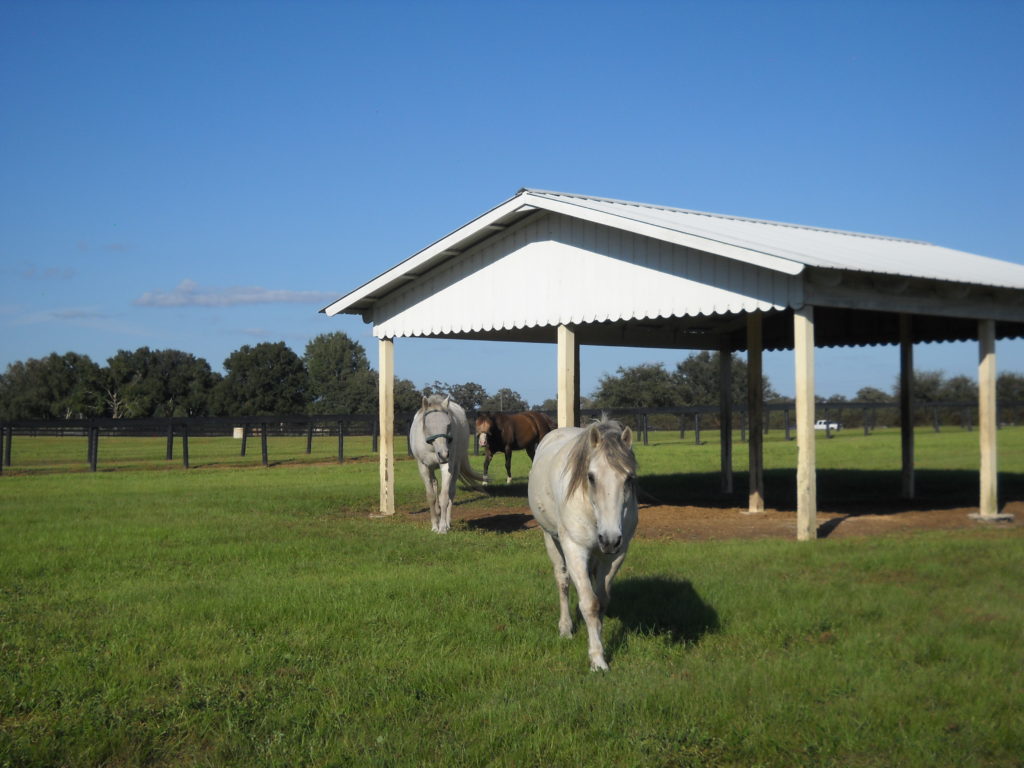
(618, 273)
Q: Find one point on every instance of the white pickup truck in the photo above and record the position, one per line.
(827, 424)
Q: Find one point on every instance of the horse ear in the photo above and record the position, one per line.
(424, 402)
(627, 437)
(446, 401)
(595, 437)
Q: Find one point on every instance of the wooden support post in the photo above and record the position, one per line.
(263, 445)
(755, 409)
(645, 423)
(725, 415)
(907, 404)
(806, 473)
(3, 433)
(696, 429)
(7, 448)
(568, 377)
(341, 442)
(988, 505)
(309, 439)
(245, 437)
(386, 419)
(788, 425)
(169, 453)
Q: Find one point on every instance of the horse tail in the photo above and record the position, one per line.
(470, 476)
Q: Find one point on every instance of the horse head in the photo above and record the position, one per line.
(437, 426)
(483, 427)
(604, 467)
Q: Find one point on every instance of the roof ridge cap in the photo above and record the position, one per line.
(766, 222)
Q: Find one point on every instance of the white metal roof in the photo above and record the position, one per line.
(808, 246)
(780, 247)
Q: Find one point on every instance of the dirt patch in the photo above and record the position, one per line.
(705, 524)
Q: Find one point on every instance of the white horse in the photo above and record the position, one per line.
(582, 492)
(439, 438)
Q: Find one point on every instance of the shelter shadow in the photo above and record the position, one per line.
(661, 606)
(851, 491)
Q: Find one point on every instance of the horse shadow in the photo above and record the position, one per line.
(658, 605)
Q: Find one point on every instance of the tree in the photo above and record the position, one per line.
(505, 399)
(57, 386)
(408, 399)
(340, 377)
(647, 385)
(1010, 387)
(160, 382)
(698, 379)
(266, 379)
(927, 386)
(470, 396)
(873, 395)
(959, 389)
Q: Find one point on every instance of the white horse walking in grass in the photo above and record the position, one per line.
(439, 439)
(582, 492)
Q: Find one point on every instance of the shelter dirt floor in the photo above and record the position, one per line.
(658, 521)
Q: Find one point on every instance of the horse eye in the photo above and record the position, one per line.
(591, 478)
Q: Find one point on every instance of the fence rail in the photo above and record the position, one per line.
(694, 418)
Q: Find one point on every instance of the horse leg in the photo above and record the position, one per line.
(602, 578)
(562, 580)
(576, 558)
(430, 483)
(488, 455)
(445, 498)
(508, 464)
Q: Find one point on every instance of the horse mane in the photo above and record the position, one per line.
(604, 436)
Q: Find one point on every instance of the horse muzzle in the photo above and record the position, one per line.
(609, 543)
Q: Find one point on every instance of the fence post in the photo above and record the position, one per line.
(341, 441)
(263, 443)
(644, 421)
(309, 439)
(696, 429)
(375, 429)
(3, 432)
(7, 448)
(785, 413)
(245, 436)
(968, 420)
(743, 426)
(94, 447)
(169, 453)
(184, 444)
(935, 419)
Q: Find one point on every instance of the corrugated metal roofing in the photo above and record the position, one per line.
(810, 246)
(786, 249)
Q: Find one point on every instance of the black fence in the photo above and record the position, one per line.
(694, 419)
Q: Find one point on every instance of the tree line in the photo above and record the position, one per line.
(333, 375)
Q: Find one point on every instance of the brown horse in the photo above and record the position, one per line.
(507, 432)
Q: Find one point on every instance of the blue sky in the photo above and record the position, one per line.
(203, 175)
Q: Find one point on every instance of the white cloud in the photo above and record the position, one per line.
(189, 293)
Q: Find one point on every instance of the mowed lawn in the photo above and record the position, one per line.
(250, 616)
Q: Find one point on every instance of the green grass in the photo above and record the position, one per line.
(257, 617)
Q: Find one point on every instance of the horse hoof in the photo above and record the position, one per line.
(598, 665)
(509, 481)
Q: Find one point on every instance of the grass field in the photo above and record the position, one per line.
(243, 616)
